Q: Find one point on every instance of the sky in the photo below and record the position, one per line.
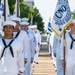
(47, 8)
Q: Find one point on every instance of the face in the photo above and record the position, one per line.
(72, 26)
(8, 29)
(24, 27)
(17, 25)
(35, 29)
(32, 29)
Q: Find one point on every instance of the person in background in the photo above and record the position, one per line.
(22, 36)
(38, 40)
(24, 26)
(49, 45)
(56, 52)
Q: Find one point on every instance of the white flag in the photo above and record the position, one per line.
(7, 11)
(62, 17)
(2, 10)
(16, 10)
(2, 13)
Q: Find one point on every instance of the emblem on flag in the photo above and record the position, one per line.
(62, 17)
(2, 9)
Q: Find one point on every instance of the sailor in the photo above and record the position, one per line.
(56, 52)
(23, 37)
(25, 19)
(70, 50)
(38, 40)
(11, 56)
(49, 45)
(24, 26)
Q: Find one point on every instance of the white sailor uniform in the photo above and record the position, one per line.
(11, 57)
(56, 50)
(70, 53)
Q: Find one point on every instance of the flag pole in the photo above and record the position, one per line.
(31, 19)
(4, 10)
(17, 8)
(64, 52)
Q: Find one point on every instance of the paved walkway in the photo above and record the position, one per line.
(45, 66)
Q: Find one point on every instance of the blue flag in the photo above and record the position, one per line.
(49, 27)
(62, 17)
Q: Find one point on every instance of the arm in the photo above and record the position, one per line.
(62, 53)
(26, 48)
(32, 49)
(54, 45)
(20, 60)
(39, 40)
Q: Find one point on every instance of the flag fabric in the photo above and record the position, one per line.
(49, 27)
(16, 10)
(31, 22)
(7, 11)
(2, 10)
(2, 15)
(62, 17)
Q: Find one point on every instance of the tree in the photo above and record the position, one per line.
(11, 5)
(25, 11)
(73, 14)
(37, 19)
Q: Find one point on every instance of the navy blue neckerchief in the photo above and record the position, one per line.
(6, 46)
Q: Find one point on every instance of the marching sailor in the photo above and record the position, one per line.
(38, 40)
(70, 50)
(24, 26)
(49, 45)
(11, 52)
(56, 52)
(23, 37)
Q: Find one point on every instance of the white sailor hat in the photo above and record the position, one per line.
(5, 23)
(24, 19)
(31, 26)
(24, 23)
(34, 26)
(16, 19)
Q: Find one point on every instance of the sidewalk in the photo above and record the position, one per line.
(45, 66)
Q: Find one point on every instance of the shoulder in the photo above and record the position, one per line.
(17, 42)
(30, 31)
(0, 40)
(23, 32)
(67, 33)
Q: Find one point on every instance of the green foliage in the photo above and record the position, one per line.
(11, 5)
(73, 14)
(25, 11)
(37, 19)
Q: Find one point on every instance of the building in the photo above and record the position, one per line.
(30, 3)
